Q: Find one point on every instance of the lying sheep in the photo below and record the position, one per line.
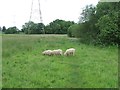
(69, 52)
(57, 52)
(47, 52)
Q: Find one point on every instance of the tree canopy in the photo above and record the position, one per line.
(33, 28)
(12, 30)
(58, 27)
(99, 24)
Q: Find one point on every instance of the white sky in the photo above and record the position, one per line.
(17, 12)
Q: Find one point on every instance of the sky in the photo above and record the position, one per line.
(17, 12)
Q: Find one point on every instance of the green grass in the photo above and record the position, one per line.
(0, 61)
(24, 66)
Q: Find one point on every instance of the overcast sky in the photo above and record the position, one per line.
(17, 12)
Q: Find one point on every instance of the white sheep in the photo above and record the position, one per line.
(70, 51)
(47, 52)
(57, 52)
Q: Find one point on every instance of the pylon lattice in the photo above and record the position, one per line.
(36, 12)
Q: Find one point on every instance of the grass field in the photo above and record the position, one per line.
(25, 67)
(0, 61)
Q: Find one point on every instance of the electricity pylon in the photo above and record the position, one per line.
(40, 13)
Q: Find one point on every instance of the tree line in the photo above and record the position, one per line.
(97, 25)
(56, 27)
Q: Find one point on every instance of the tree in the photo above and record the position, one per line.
(33, 28)
(107, 14)
(3, 29)
(105, 8)
(40, 28)
(73, 30)
(87, 13)
(58, 27)
(88, 31)
(48, 29)
(108, 30)
(12, 30)
(100, 24)
(0, 29)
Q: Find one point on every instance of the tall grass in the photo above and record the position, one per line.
(24, 66)
(0, 61)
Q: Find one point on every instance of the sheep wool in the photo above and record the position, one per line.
(47, 52)
(70, 51)
(57, 52)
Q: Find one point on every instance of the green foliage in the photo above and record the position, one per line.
(3, 29)
(87, 31)
(33, 28)
(87, 13)
(58, 27)
(11, 30)
(0, 29)
(108, 30)
(73, 30)
(107, 14)
(48, 29)
(24, 66)
(99, 25)
(105, 8)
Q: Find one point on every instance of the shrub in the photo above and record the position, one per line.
(73, 30)
(11, 30)
(108, 30)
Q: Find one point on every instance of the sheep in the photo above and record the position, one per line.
(47, 52)
(70, 51)
(57, 52)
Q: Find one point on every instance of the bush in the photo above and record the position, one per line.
(73, 30)
(99, 25)
(58, 27)
(11, 30)
(108, 30)
(86, 34)
(33, 28)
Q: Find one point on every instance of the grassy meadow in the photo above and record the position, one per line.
(0, 61)
(24, 66)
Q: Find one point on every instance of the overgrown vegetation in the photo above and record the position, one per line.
(58, 27)
(23, 65)
(55, 27)
(33, 28)
(73, 30)
(11, 30)
(99, 24)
